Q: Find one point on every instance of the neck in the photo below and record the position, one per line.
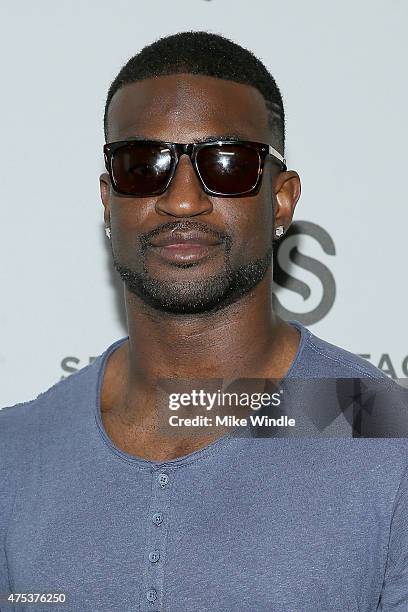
(245, 340)
(240, 340)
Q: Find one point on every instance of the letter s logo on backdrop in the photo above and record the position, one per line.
(298, 273)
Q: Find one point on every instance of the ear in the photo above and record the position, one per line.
(104, 186)
(287, 189)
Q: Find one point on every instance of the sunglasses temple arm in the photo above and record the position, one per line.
(276, 154)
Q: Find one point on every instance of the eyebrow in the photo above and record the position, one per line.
(211, 138)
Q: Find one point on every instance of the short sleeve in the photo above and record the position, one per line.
(394, 593)
(8, 488)
(7, 495)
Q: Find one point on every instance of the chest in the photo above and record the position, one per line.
(199, 539)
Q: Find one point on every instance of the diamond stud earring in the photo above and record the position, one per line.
(279, 231)
(108, 232)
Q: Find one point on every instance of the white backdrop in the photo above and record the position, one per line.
(341, 68)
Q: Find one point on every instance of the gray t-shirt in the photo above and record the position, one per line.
(247, 524)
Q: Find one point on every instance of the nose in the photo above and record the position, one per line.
(184, 197)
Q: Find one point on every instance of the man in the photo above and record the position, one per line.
(101, 503)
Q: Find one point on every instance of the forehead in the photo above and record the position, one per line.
(182, 107)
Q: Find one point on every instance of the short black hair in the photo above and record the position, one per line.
(207, 54)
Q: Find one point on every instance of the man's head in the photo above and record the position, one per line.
(187, 88)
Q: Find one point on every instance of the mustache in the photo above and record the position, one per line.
(186, 226)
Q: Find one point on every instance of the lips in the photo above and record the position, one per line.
(185, 246)
(186, 238)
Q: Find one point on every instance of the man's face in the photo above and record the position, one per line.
(184, 108)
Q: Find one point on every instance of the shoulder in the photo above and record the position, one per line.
(63, 398)
(22, 416)
(321, 358)
(58, 411)
(35, 431)
(375, 405)
(23, 425)
(25, 428)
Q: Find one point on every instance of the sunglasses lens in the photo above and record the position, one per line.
(229, 169)
(141, 168)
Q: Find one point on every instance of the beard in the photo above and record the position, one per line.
(193, 296)
(205, 295)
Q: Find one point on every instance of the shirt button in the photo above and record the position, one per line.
(157, 518)
(154, 556)
(163, 480)
(151, 595)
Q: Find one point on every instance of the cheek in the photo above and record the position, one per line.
(255, 228)
(128, 215)
(126, 218)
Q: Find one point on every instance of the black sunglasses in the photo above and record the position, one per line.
(224, 167)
